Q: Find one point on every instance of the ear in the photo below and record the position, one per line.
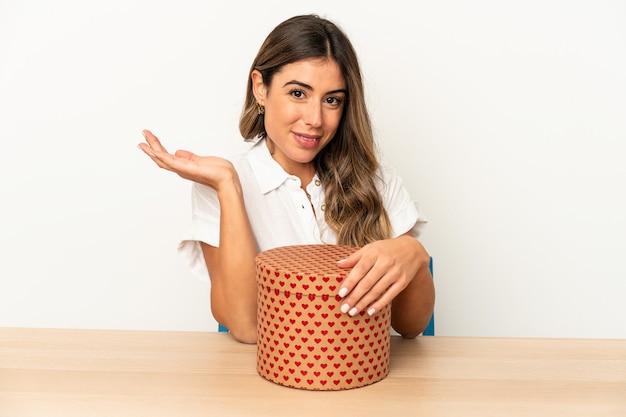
(258, 88)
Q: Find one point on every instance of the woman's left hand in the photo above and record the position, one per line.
(380, 271)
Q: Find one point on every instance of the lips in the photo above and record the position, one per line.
(306, 141)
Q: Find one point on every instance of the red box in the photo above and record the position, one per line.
(304, 340)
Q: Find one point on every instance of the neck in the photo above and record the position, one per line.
(301, 170)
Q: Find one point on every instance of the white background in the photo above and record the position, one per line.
(507, 121)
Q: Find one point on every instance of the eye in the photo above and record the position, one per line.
(333, 101)
(297, 94)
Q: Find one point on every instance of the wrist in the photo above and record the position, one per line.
(229, 184)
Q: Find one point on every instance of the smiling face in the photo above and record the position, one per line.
(303, 108)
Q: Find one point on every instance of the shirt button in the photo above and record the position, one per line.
(323, 207)
(318, 183)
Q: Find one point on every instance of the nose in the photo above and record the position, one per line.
(313, 114)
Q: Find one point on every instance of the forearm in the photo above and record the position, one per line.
(412, 308)
(232, 268)
(231, 265)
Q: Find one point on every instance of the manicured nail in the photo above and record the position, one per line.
(353, 311)
(343, 292)
(345, 308)
(371, 311)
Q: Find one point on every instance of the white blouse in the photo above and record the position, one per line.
(280, 212)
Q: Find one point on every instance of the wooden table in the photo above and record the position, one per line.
(91, 373)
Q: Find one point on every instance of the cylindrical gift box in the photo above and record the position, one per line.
(304, 340)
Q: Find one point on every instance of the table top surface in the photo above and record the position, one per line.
(55, 372)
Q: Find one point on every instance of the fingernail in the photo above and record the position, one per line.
(371, 311)
(341, 260)
(353, 311)
(345, 308)
(343, 292)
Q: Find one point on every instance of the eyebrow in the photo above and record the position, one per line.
(308, 87)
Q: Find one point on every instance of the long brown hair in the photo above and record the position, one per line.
(347, 166)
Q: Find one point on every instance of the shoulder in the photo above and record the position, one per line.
(386, 172)
(238, 157)
(401, 207)
(244, 160)
(387, 180)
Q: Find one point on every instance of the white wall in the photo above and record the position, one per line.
(506, 119)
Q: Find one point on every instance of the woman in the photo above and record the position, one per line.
(311, 177)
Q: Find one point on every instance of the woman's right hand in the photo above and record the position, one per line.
(230, 264)
(212, 171)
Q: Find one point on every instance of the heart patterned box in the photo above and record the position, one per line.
(304, 340)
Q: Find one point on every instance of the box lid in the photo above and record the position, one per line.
(303, 269)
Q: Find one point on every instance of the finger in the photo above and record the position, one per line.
(353, 261)
(146, 149)
(368, 289)
(185, 154)
(350, 261)
(161, 158)
(360, 267)
(385, 298)
(153, 141)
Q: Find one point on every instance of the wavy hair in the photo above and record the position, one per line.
(347, 166)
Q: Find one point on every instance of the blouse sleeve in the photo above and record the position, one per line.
(402, 210)
(204, 227)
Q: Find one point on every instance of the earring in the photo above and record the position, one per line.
(261, 109)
